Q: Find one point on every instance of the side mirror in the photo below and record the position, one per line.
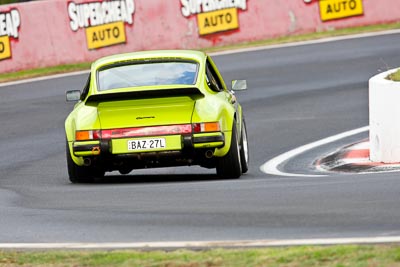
(73, 95)
(239, 85)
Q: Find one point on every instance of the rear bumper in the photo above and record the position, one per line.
(87, 148)
(119, 146)
(206, 140)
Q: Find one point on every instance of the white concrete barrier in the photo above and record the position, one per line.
(384, 118)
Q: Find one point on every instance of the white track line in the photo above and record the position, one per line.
(309, 42)
(205, 244)
(272, 166)
(354, 160)
(359, 146)
(44, 78)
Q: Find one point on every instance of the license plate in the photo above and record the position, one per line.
(146, 144)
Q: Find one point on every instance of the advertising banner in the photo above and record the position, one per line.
(10, 22)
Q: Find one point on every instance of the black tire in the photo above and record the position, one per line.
(81, 174)
(229, 166)
(244, 149)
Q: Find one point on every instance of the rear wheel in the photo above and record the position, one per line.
(81, 174)
(229, 166)
(244, 149)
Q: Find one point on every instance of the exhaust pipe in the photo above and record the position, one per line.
(209, 154)
(87, 161)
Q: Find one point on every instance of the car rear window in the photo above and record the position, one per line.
(147, 74)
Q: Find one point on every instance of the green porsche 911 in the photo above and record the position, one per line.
(155, 109)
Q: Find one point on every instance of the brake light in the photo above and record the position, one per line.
(87, 135)
(206, 127)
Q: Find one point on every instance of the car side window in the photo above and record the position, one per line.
(85, 90)
(212, 79)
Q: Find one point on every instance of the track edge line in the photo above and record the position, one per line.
(205, 244)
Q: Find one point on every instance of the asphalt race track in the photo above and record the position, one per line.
(297, 95)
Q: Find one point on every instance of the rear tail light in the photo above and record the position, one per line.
(87, 135)
(206, 127)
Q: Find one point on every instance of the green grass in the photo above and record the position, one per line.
(25, 74)
(351, 255)
(288, 39)
(4, 2)
(394, 76)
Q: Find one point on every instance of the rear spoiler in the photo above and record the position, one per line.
(192, 92)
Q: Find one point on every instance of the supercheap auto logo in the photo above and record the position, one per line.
(104, 21)
(9, 25)
(214, 15)
(338, 9)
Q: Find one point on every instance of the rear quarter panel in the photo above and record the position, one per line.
(81, 118)
(215, 107)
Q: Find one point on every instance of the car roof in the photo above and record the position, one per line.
(150, 55)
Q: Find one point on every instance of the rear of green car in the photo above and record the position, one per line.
(143, 112)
